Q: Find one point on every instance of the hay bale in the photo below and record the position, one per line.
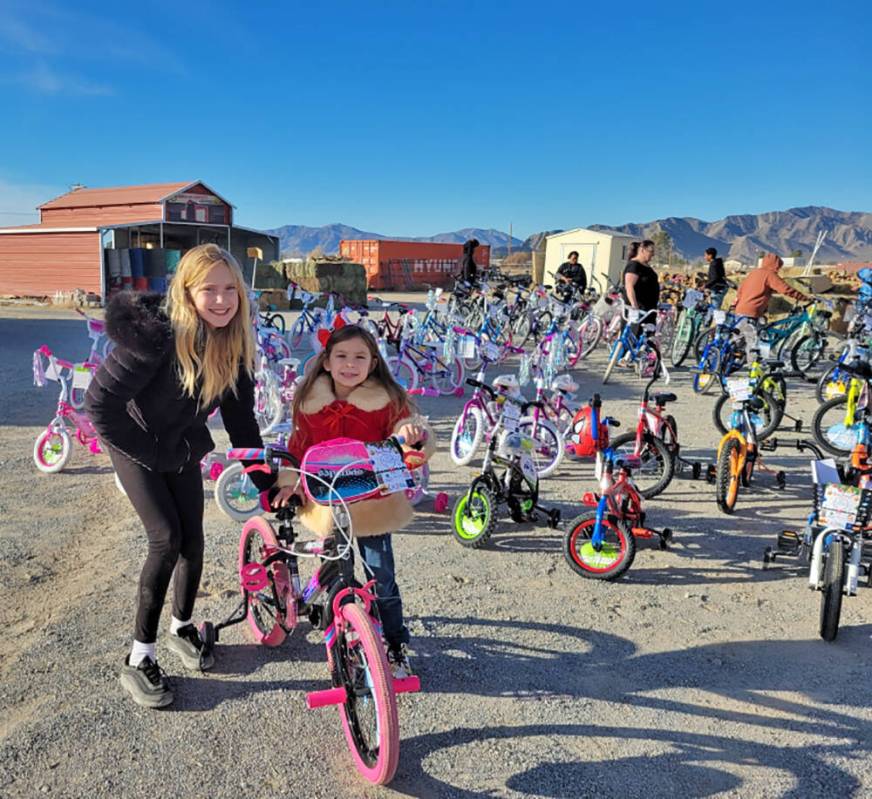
(269, 275)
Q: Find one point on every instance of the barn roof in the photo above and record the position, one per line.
(121, 195)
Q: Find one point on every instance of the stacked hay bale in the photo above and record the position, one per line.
(270, 279)
(330, 273)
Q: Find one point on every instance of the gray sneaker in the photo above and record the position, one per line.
(146, 683)
(188, 645)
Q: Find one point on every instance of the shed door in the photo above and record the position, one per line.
(586, 255)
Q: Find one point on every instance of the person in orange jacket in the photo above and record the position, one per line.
(753, 298)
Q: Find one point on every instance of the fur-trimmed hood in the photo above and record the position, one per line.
(137, 322)
(368, 396)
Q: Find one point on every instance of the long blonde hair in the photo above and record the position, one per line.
(208, 358)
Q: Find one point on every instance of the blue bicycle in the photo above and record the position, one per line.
(636, 349)
(723, 354)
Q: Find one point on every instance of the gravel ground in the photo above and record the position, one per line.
(698, 674)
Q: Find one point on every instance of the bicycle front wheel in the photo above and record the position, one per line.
(708, 373)
(607, 559)
(403, 371)
(727, 475)
(831, 600)
(52, 450)
(447, 375)
(369, 714)
(807, 353)
(765, 421)
(236, 496)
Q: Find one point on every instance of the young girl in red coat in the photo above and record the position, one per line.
(349, 392)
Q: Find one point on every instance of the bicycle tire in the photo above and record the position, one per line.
(807, 353)
(614, 357)
(52, 450)
(403, 371)
(772, 414)
(702, 338)
(590, 332)
(266, 609)
(235, 495)
(824, 391)
(268, 408)
(274, 320)
(464, 447)
(727, 480)
(652, 448)
(474, 517)
(550, 446)
(831, 598)
(827, 434)
(709, 370)
(298, 332)
(448, 376)
(682, 340)
(361, 654)
(614, 557)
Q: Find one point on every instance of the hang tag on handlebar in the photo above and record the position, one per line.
(739, 388)
(511, 416)
(719, 317)
(82, 377)
(490, 351)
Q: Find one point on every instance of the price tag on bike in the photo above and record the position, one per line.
(765, 349)
(467, 347)
(490, 351)
(387, 461)
(719, 317)
(739, 388)
(528, 469)
(82, 377)
(839, 506)
(692, 298)
(511, 416)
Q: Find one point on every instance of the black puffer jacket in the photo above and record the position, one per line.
(138, 405)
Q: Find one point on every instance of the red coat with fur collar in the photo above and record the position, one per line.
(367, 415)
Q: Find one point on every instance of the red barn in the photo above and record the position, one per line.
(85, 235)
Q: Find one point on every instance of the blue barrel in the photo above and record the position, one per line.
(137, 262)
(172, 260)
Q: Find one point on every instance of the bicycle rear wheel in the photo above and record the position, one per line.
(656, 468)
(267, 606)
(829, 429)
(236, 496)
(369, 714)
(682, 340)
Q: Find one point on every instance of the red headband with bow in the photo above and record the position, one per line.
(324, 333)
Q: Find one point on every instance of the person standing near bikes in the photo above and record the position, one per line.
(716, 284)
(641, 287)
(175, 361)
(758, 287)
(468, 266)
(571, 273)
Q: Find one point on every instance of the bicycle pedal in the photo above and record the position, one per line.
(789, 542)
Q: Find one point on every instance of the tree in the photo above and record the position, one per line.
(662, 248)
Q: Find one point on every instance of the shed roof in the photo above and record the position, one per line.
(120, 195)
(614, 234)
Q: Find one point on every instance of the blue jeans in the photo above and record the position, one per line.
(378, 554)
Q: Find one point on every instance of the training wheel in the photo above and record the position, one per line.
(208, 636)
(780, 479)
(440, 502)
(696, 470)
(710, 473)
(767, 557)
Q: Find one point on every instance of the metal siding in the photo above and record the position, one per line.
(38, 265)
(102, 215)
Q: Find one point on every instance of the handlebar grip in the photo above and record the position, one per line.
(245, 454)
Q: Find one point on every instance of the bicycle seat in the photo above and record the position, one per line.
(774, 363)
(662, 399)
(754, 403)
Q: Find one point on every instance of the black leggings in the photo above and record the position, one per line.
(170, 506)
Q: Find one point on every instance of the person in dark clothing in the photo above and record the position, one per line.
(174, 362)
(572, 272)
(641, 286)
(468, 266)
(717, 277)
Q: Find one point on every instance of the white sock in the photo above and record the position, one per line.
(176, 625)
(139, 652)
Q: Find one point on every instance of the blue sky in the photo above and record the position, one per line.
(414, 118)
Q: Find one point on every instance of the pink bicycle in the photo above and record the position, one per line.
(274, 600)
(53, 447)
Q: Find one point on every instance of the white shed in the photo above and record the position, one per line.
(602, 253)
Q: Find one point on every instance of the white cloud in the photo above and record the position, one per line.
(18, 201)
(44, 79)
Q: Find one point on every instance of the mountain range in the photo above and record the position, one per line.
(849, 235)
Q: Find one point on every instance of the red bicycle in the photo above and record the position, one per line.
(601, 543)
